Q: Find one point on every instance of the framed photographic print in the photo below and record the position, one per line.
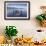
(17, 10)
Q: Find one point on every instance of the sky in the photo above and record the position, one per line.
(17, 5)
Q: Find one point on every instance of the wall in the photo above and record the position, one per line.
(25, 27)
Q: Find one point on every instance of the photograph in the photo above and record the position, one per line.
(17, 10)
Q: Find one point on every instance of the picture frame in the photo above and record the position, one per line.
(16, 10)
